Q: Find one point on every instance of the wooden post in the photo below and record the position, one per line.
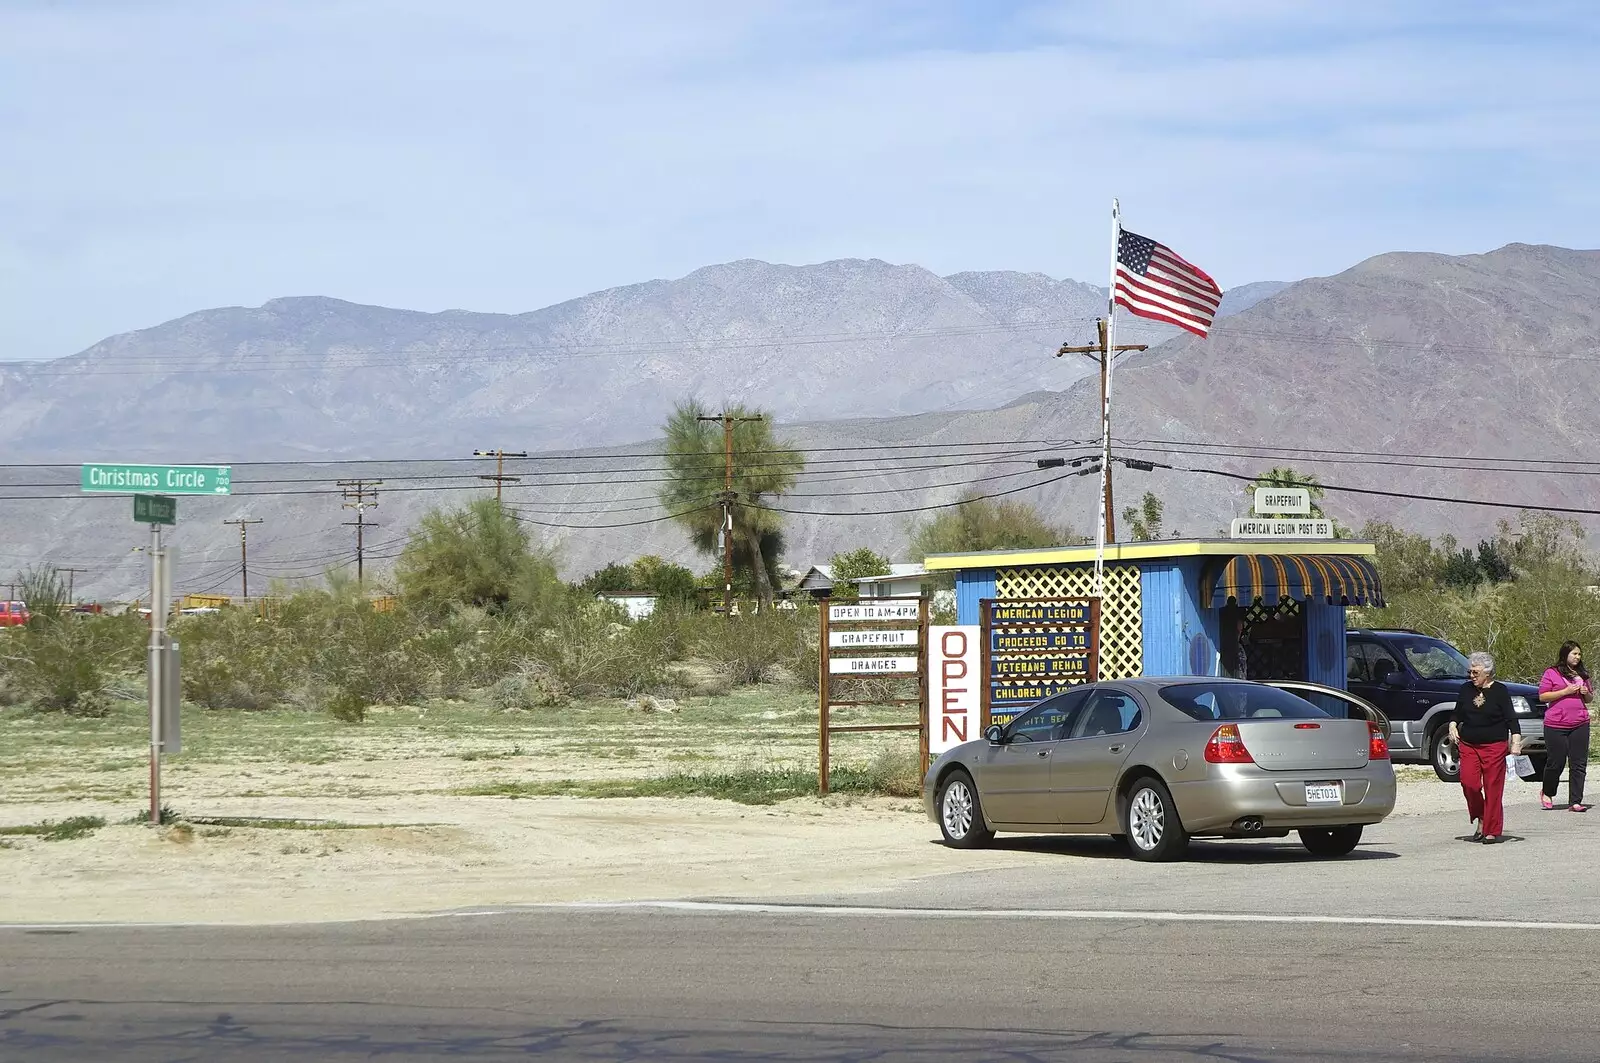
(925, 652)
(1094, 639)
(823, 697)
(984, 690)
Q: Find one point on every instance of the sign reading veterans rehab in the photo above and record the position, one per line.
(159, 479)
(1039, 668)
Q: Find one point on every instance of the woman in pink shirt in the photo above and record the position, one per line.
(1566, 690)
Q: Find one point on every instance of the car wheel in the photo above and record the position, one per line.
(1331, 841)
(1445, 755)
(1150, 823)
(960, 813)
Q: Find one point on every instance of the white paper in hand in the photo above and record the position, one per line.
(1520, 765)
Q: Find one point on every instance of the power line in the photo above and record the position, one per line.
(1408, 496)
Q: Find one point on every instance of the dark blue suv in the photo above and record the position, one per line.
(1414, 679)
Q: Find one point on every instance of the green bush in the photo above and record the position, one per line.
(347, 705)
(750, 649)
(590, 653)
(234, 660)
(63, 665)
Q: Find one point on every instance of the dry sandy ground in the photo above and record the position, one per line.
(445, 852)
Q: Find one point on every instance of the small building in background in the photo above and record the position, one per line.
(637, 606)
(903, 581)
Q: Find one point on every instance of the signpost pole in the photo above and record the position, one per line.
(922, 679)
(158, 629)
(1102, 526)
(824, 696)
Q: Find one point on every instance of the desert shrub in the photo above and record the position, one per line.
(749, 649)
(532, 687)
(63, 665)
(589, 653)
(347, 705)
(234, 660)
(673, 632)
(896, 771)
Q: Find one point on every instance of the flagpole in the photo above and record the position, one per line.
(1105, 408)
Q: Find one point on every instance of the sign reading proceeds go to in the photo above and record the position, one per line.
(164, 479)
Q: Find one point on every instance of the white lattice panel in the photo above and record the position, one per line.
(1121, 614)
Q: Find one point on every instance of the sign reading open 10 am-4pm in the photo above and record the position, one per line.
(118, 478)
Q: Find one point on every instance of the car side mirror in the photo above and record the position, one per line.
(994, 733)
(1397, 679)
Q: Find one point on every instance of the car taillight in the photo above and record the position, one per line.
(1377, 743)
(1226, 747)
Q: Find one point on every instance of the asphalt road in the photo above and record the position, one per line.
(1406, 866)
(1231, 956)
(665, 985)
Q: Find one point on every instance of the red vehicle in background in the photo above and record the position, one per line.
(13, 614)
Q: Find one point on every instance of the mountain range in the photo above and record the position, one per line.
(1408, 375)
(313, 376)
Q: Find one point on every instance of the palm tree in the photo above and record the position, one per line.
(763, 468)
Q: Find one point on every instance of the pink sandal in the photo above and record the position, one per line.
(1545, 803)
(1578, 808)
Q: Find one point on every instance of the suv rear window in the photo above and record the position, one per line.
(1238, 701)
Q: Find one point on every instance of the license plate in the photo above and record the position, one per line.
(1324, 793)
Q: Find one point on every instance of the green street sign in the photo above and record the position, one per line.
(155, 509)
(168, 479)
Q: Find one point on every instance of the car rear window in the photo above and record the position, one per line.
(1238, 701)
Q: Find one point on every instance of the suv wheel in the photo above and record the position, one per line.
(1444, 755)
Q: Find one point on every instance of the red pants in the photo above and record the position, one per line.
(1483, 777)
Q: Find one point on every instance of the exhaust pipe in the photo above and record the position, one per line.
(1248, 825)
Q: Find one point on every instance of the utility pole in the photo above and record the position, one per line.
(499, 476)
(729, 497)
(244, 553)
(71, 572)
(1102, 353)
(356, 496)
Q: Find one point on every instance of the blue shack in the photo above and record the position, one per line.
(1257, 609)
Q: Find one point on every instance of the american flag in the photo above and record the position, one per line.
(1154, 282)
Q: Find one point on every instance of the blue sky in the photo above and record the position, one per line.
(163, 156)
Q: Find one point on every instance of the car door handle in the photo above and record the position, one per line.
(1044, 752)
(1116, 748)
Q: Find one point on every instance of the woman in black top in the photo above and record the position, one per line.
(1482, 723)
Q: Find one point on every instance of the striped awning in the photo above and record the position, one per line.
(1335, 580)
